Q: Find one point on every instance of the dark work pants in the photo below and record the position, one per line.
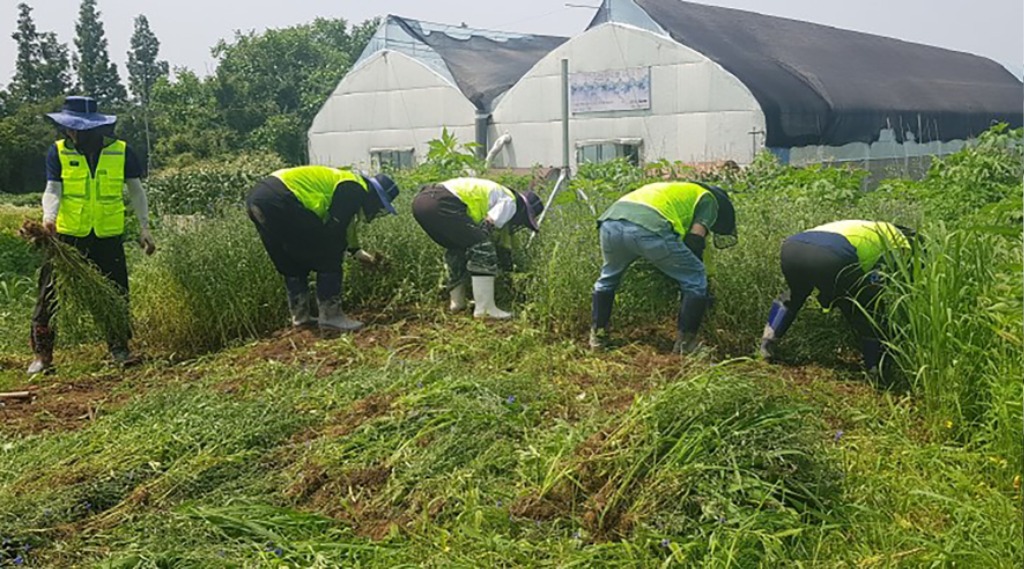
(840, 283)
(296, 240)
(107, 253)
(469, 249)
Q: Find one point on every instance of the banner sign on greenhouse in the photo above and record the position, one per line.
(612, 90)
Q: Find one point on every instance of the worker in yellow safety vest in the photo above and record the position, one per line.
(87, 173)
(307, 218)
(666, 223)
(473, 219)
(843, 260)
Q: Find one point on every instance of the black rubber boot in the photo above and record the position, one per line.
(871, 350)
(601, 316)
(691, 314)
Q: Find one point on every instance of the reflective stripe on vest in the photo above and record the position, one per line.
(476, 194)
(91, 203)
(314, 186)
(675, 201)
(870, 238)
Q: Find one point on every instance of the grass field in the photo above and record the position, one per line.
(430, 439)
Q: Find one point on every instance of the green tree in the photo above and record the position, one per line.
(26, 63)
(271, 85)
(189, 124)
(24, 138)
(144, 69)
(143, 66)
(41, 63)
(55, 67)
(97, 76)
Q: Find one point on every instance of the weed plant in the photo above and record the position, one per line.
(211, 284)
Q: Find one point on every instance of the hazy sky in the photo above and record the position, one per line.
(188, 28)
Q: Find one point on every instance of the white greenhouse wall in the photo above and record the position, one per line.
(699, 112)
(391, 101)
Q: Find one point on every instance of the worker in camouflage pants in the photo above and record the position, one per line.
(473, 220)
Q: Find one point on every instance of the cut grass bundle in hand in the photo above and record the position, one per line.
(81, 288)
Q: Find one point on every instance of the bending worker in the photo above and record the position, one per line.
(83, 204)
(842, 261)
(307, 218)
(473, 220)
(666, 223)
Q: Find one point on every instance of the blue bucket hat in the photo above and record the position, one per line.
(81, 113)
(386, 188)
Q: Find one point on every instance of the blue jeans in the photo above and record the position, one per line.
(623, 242)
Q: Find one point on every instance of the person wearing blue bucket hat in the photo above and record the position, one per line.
(87, 172)
(307, 218)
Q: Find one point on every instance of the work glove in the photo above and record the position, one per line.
(50, 226)
(487, 225)
(369, 260)
(146, 241)
(695, 243)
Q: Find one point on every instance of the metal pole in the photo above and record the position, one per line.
(563, 176)
(565, 115)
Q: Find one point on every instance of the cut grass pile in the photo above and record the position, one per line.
(83, 291)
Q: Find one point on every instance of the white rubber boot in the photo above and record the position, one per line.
(333, 319)
(483, 295)
(458, 298)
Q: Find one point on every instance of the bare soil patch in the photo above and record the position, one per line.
(63, 404)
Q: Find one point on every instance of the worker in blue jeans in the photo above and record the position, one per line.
(666, 223)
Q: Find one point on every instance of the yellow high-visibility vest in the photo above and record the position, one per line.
(675, 201)
(871, 239)
(314, 186)
(476, 194)
(91, 202)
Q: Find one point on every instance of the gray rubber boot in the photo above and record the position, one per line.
(333, 318)
(298, 306)
(298, 300)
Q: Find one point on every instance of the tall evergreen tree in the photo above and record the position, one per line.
(144, 69)
(54, 67)
(26, 66)
(41, 66)
(97, 76)
(143, 66)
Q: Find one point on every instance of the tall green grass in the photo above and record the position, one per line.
(210, 284)
(958, 337)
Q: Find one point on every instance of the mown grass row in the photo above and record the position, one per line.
(497, 448)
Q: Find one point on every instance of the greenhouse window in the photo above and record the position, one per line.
(391, 158)
(599, 151)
